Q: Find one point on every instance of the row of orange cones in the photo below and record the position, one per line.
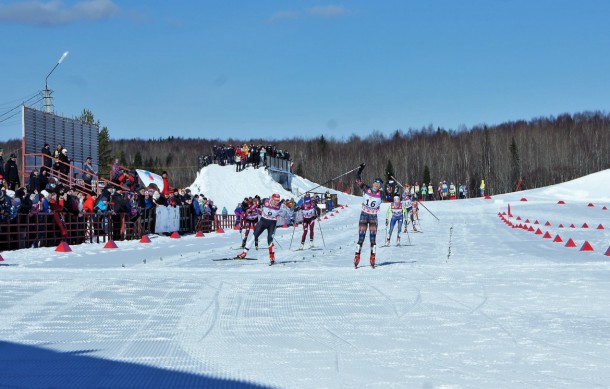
(561, 202)
(570, 243)
(548, 224)
(64, 247)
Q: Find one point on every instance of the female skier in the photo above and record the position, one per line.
(371, 200)
(395, 211)
(268, 221)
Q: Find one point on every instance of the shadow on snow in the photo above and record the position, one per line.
(24, 366)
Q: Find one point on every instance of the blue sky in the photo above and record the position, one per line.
(282, 69)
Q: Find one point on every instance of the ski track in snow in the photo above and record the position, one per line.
(507, 308)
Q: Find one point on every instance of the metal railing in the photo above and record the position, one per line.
(45, 229)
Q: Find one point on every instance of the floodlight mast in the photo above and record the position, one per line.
(47, 92)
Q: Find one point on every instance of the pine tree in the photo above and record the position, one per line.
(515, 168)
(104, 152)
(389, 169)
(87, 117)
(426, 174)
(322, 144)
(137, 160)
(122, 158)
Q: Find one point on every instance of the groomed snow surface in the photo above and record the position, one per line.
(469, 303)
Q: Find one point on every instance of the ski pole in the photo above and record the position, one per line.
(332, 179)
(322, 235)
(394, 178)
(294, 227)
(427, 210)
(278, 243)
(407, 230)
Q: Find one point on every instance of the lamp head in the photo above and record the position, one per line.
(63, 56)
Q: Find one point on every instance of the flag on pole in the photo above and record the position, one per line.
(150, 178)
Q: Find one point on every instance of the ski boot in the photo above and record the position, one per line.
(414, 229)
(357, 257)
(256, 244)
(301, 246)
(271, 255)
(373, 250)
(311, 244)
(398, 241)
(243, 254)
(387, 242)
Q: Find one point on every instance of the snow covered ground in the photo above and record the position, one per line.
(470, 302)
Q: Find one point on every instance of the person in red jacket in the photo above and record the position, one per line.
(89, 204)
(126, 180)
(165, 192)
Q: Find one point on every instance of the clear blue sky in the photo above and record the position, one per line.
(279, 69)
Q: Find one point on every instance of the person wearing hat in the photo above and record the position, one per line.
(166, 190)
(371, 201)
(268, 221)
(34, 183)
(64, 166)
(47, 158)
(250, 218)
(11, 173)
(56, 154)
(89, 173)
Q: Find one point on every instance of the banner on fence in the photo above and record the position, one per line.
(168, 219)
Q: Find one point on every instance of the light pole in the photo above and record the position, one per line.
(47, 92)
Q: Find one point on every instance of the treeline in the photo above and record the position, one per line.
(541, 152)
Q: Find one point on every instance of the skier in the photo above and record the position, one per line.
(268, 221)
(309, 210)
(414, 215)
(251, 216)
(371, 200)
(395, 210)
(407, 205)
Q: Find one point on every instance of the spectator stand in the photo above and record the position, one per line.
(280, 171)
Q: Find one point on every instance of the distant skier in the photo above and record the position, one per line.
(309, 210)
(251, 216)
(371, 200)
(407, 204)
(394, 215)
(268, 221)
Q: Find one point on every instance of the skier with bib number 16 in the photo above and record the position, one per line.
(371, 201)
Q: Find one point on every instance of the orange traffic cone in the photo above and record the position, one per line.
(145, 239)
(111, 245)
(63, 247)
(586, 246)
(175, 235)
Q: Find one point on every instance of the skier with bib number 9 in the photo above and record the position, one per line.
(268, 221)
(372, 197)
